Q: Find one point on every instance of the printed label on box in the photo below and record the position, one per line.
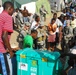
(33, 74)
(23, 66)
(33, 69)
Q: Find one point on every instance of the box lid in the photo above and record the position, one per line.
(28, 52)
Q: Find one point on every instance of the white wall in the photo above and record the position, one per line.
(0, 2)
(31, 7)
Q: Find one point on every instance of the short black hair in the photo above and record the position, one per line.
(8, 4)
(36, 17)
(55, 14)
(34, 31)
(53, 19)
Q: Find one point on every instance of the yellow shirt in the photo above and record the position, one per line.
(73, 23)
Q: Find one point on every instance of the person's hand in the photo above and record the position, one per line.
(11, 54)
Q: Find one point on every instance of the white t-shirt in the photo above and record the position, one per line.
(66, 1)
(58, 22)
(33, 26)
(1, 9)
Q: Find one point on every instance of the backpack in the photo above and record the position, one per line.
(74, 31)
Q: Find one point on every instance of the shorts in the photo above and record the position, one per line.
(52, 44)
(51, 38)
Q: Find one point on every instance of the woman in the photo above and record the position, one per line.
(52, 34)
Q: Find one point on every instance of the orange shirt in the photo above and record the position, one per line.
(52, 28)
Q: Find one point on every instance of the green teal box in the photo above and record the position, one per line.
(35, 62)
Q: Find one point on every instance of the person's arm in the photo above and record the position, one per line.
(49, 28)
(34, 25)
(54, 28)
(6, 42)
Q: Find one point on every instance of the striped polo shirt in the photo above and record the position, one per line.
(6, 24)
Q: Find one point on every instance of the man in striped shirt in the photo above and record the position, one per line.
(6, 28)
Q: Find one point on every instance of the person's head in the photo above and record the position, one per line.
(64, 10)
(17, 9)
(68, 17)
(37, 18)
(34, 33)
(42, 6)
(72, 18)
(9, 7)
(61, 16)
(24, 7)
(65, 17)
(55, 15)
(55, 2)
(53, 21)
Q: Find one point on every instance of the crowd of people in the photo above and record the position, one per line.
(33, 32)
(50, 35)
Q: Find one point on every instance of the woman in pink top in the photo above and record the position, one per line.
(52, 34)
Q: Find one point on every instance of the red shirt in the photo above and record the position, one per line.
(6, 24)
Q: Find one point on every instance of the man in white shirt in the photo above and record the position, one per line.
(1, 9)
(35, 26)
(35, 23)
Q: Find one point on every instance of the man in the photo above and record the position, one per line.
(28, 39)
(15, 14)
(73, 22)
(43, 13)
(6, 28)
(25, 15)
(36, 23)
(55, 6)
(19, 19)
(66, 3)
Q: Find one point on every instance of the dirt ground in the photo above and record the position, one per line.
(15, 34)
